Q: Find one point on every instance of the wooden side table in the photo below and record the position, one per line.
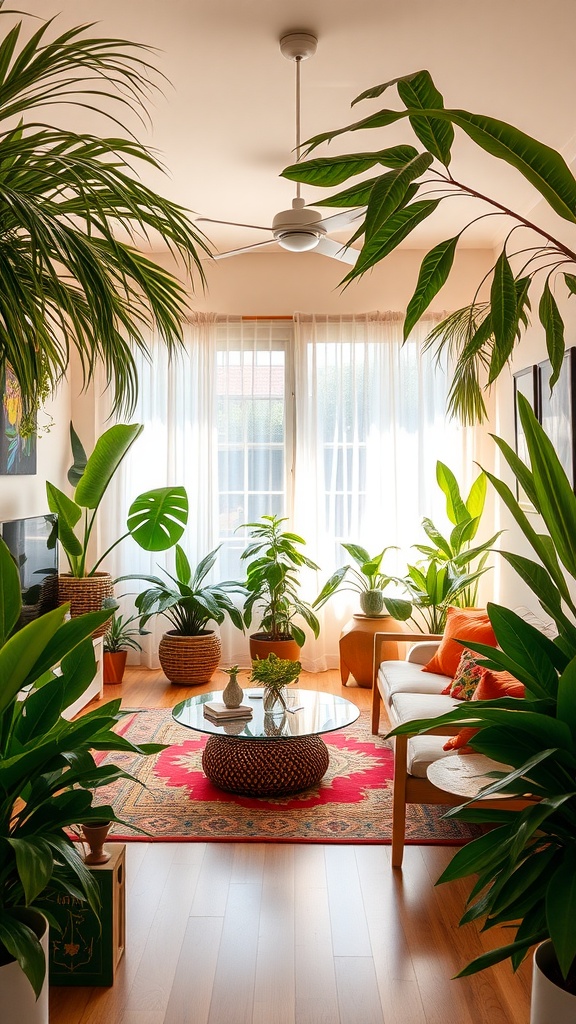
(357, 646)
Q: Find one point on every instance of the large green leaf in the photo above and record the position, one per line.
(109, 450)
(434, 272)
(21, 652)
(477, 497)
(396, 228)
(157, 519)
(10, 593)
(561, 909)
(419, 91)
(526, 645)
(22, 943)
(76, 471)
(503, 311)
(388, 193)
(554, 326)
(330, 171)
(34, 863)
(68, 513)
(567, 696)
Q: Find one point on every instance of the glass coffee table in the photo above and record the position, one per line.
(268, 754)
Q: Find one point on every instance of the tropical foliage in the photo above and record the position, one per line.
(368, 576)
(480, 337)
(445, 575)
(69, 281)
(524, 869)
(48, 774)
(156, 519)
(272, 580)
(275, 672)
(121, 633)
(186, 600)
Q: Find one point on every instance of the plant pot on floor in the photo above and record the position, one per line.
(85, 594)
(18, 1003)
(190, 660)
(551, 1002)
(261, 645)
(114, 666)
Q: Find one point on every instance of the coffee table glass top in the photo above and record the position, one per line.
(310, 714)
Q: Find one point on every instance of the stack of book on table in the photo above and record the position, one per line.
(218, 712)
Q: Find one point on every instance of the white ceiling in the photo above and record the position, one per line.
(225, 126)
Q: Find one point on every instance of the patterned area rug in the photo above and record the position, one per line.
(352, 804)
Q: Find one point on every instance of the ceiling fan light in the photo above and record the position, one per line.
(299, 241)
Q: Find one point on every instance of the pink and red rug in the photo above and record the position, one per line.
(352, 804)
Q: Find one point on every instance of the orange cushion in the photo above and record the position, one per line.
(491, 686)
(461, 624)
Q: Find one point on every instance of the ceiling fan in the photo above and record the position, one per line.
(300, 228)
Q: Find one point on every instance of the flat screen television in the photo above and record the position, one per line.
(33, 544)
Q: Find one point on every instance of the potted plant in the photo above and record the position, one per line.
(119, 638)
(274, 674)
(190, 652)
(524, 868)
(481, 337)
(48, 778)
(156, 519)
(369, 581)
(273, 563)
(71, 282)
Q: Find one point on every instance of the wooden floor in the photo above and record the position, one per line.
(259, 933)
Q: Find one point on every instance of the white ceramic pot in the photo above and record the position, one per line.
(551, 1004)
(18, 1004)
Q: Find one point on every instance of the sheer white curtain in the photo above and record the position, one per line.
(327, 420)
(371, 424)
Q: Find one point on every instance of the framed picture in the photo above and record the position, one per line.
(17, 453)
(526, 384)
(556, 409)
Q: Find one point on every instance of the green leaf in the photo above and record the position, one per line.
(554, 326)
(34, 863)
(109, 451)
(503, 311)
(80, 458)
(561, 909)
(456, 510)
(21, 652)
(434, 272)
(396, 228)
(22, 943)
(525, 645)
(567, 696)
(10, 593)
(570, 280)
(330, 171)
(398, 608)
(388, 193)
(68, 513)
(477, 498)
(157, 518)
(419, 91)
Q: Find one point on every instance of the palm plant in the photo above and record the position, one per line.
(480, 337)
(68, 281)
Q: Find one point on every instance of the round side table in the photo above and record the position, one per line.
(357, 646)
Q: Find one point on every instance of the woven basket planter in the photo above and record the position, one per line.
(190, 659)
(85, 594)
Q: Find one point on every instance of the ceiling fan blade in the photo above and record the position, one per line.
(337, 250)
(342, 219)
(233, 223)
(245, 248)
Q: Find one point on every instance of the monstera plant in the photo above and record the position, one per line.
(416, 182)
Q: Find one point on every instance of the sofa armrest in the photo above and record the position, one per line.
(420, 654)
(410, 638)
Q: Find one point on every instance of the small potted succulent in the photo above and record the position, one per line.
(274, 674)
(119, 638)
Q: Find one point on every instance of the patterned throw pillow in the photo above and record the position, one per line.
(468, 675)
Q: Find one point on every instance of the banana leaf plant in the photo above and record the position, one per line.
(455, 551)
(524, 868)
(156, 519)
(48, 775)
(69, 281)
(417, 180)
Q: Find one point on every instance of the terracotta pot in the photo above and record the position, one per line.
(550, 1002)
(114, 665)
(17, 1000)
(85, 594)
(96, 835)
(190, 659)
(261, 646)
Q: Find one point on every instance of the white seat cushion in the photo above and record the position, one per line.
(422, 752)
(406, 677)
(408, 707)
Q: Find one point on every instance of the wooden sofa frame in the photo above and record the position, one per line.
(407, 788)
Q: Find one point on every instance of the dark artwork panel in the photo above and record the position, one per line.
(17, 453)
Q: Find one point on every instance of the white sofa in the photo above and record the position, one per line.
(408, 694)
